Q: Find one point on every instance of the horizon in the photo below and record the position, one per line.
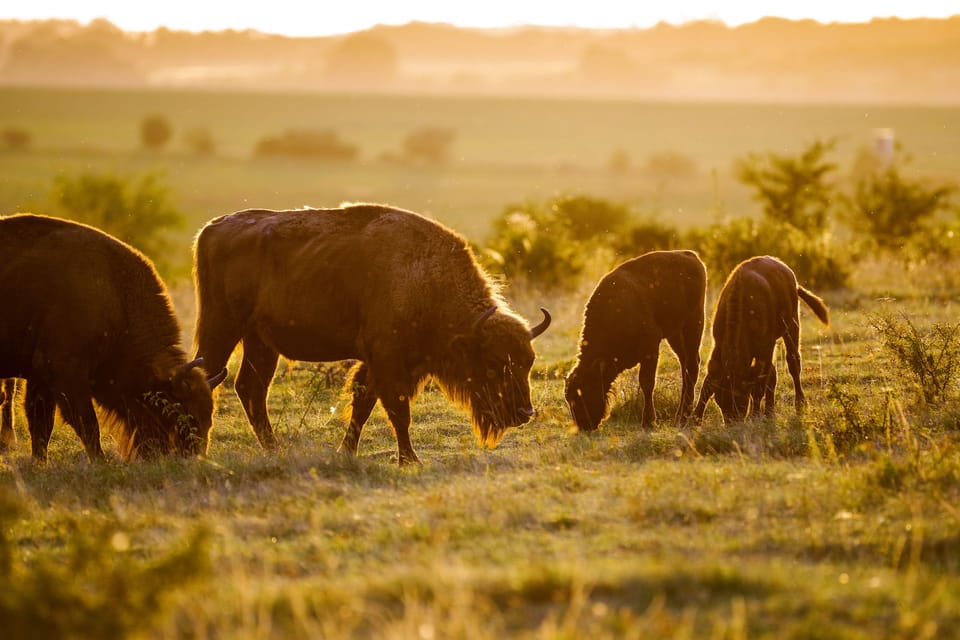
(178, 15)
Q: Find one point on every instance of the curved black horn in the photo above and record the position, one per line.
(217, 379)
(483, 318)
(196, 362)
(540, 328)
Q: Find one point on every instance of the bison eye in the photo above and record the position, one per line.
(491, 374)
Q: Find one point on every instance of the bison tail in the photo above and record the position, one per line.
(816, 305)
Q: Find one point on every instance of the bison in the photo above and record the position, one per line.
(656, 296)
(8, 437)
(86, 318)
(399, 293)
(758, 305)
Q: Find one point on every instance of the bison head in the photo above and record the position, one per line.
(585, 391)
(496, 356)
(175, 416)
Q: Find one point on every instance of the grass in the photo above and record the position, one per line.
(839, 523)
(757, 530)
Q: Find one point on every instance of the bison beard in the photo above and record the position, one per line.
(656, 296)
(758, 305)
(86, 318)
(398, 292)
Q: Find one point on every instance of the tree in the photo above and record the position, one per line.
(155, 132)
(793, 189)
(362, 59)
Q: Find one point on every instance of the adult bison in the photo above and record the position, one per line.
(656, 296)
(398, 292)
(8, 437)
(758, 305)
(86, 317)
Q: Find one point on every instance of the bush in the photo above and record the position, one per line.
(99, 589)
(893, 209)
(932, 357)
(430, 145)
(325, 144)
(155, 132)
(792, 190)
(646, 235)
(723, 246)
(16, 139)
(135, 209)
(670, 165)
(200, 142)
(589, 219)
(529, 243)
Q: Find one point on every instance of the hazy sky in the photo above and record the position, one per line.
(323, 17)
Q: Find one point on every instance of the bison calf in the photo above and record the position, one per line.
(85, 317)
(659, 295)
(394, 290)
(758, 305)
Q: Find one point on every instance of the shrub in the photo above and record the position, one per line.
(892, 208)
(155, 132)
(587, 218)
(99, 589)
(325, 144)
(671, 165)
(430, 145)
(645, 235)
(529, 243)
(15, 138)
(135, 209)
(792, 190)
(932, 357)
(724, 245)
(200, 142)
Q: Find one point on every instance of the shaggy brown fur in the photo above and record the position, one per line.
(656, 296)
(398, 292)
(8, 437)
(758, 305)
(86, 317)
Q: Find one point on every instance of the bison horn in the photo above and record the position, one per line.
(540, 328)
(196, 362)
(482, 318)
(217, 379)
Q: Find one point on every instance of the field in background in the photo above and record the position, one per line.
(504, 150)
(761, 530)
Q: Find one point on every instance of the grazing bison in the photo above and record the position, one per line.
(758, 305)
(656, 296)
(86, 317)
(398, 292)
(8, 437)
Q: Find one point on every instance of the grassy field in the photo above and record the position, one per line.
(504, 151)
(764, 530)
(842, 523)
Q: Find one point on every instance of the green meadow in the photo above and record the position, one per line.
(843, 522)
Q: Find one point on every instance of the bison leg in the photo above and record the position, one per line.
(688, 353)
(253, 380)
(648, 379)
(39, 407)
(791, 343)
(364, 400)
(398, 412)
(770, 390)
(77, 410)
(8, 437)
